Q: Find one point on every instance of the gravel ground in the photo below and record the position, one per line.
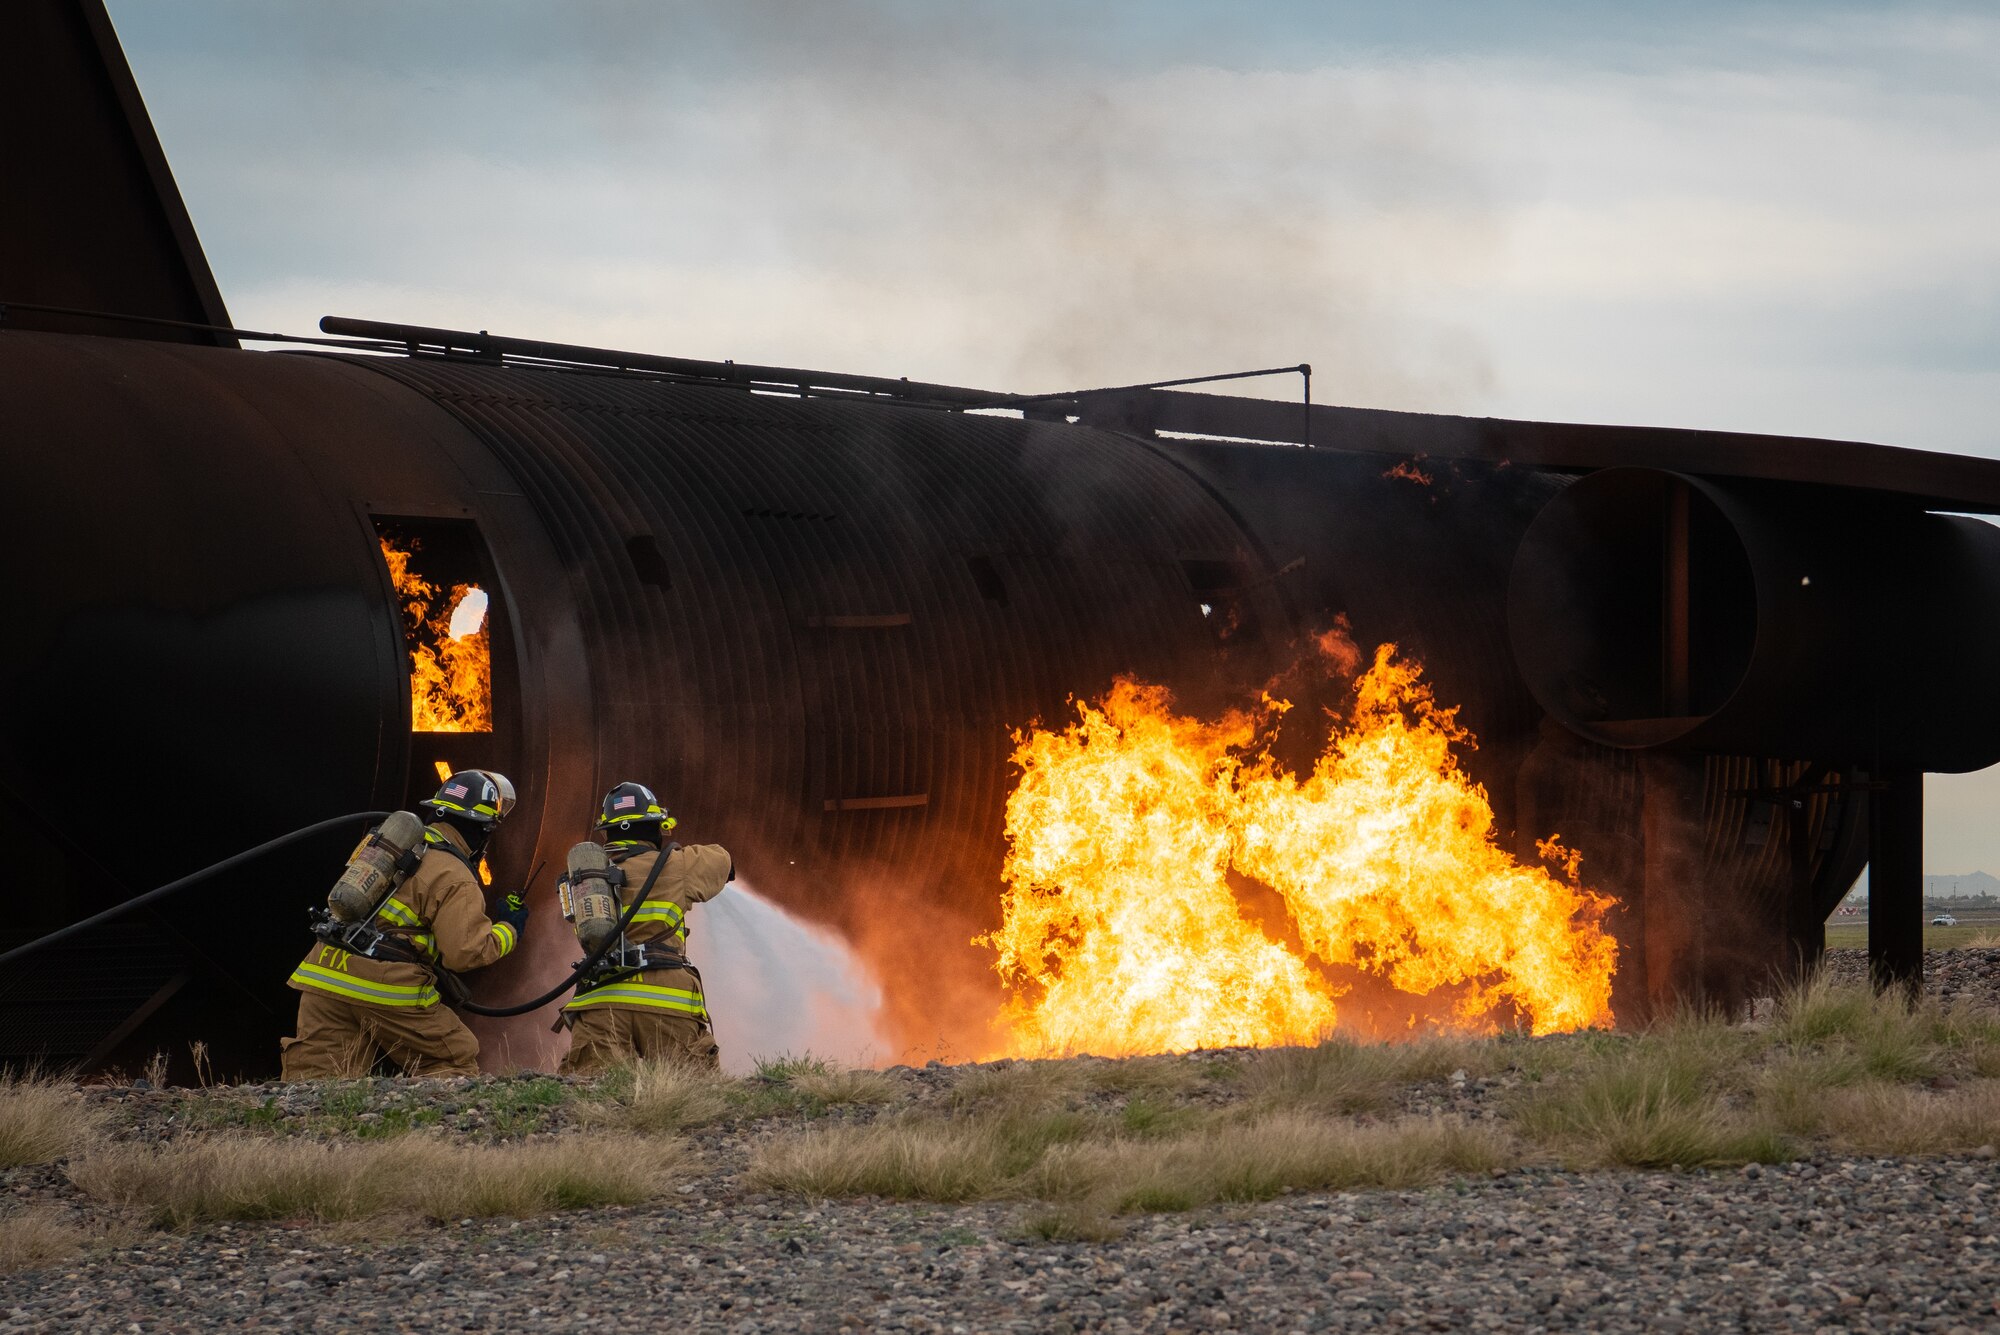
(1839, 1245)
(1959, 976)
(1829, 1244)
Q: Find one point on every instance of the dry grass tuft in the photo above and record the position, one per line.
(1705, 1041)
(1094, 1167)
(1341, 1075)
(42, 1120)
(36, 1238)
(238, 1177)
(1895, 1039)
(1440, 1057)
(1337, 1076)
(1819, 1011)
(1895, 1051)
(1150, 1077)
(1654, 1106)
(1888, 1119)
(913, 1157)
(1020, 1084)
(1969, 1032)
(787, 1066)
(1151, 1118)
(835, 1088)
(931, 1160)
(1791, 1092)
(1892, 1039)
(234, 1179)
(1265, 1157)
(666, 1096)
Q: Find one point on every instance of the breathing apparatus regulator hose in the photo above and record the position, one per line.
(589, 963)
(192, 878)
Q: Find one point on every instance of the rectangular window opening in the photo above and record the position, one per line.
(438, 568)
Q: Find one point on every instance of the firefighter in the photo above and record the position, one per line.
(353, 1006)
(646, 1000)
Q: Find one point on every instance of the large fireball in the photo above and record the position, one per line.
(1136, 835)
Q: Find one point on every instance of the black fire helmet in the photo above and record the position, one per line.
(631, 804)
(479, 796)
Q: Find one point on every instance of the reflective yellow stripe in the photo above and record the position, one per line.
(643, 994)
(396, 911)
(660, 910)
(505, 931)
(400, 914)
(360, 989)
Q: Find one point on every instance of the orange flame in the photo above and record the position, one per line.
(1135, 833)
(451, 676)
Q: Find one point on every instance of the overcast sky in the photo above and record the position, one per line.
(1780, 217)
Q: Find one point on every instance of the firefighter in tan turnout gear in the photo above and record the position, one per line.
(409, 903)
(645, 1000)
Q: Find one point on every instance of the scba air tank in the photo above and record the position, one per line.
(589, 901)
(382, 862)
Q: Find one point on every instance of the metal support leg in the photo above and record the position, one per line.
(1896, 881)
(1805, 924)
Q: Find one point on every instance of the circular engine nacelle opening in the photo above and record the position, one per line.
(1633, 607)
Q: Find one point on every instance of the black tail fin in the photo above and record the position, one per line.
(90, 217)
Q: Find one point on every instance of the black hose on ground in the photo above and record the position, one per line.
(502, 1012)
(227, 864)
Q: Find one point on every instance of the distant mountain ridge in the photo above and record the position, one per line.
(1961, 887)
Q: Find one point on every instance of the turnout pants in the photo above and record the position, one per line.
(340, 1040)
(602, 1037)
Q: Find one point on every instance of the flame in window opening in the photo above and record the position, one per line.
(451, 674)
(1171, 886)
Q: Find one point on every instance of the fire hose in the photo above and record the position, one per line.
(306, 832)
(588, 963)
(192, 878)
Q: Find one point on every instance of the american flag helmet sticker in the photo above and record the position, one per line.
(626, 801)
(454, 790)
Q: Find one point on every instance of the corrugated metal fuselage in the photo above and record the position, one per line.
(811, 625)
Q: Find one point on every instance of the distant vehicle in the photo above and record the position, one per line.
(1944, 920)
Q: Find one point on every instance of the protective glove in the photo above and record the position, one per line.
(514, 912)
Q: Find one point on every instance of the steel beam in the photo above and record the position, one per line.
(1896, 880)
